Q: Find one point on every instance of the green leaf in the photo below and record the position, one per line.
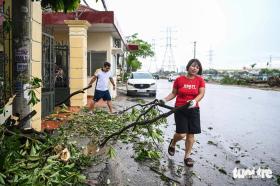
(2, 175)
(55, 174)
(278, 179)
(37, 146)
(81, 178)
(32, 151)
(2, 180)
(15, 179)
(7, 25)
(26, 144)
(70, 166)
(2, 110)
(111, 152)
(34, 158)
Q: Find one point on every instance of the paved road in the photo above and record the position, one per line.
(238, 125)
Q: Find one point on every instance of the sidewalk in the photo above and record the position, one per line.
(53, 121)
(61, 118)
(121, 87)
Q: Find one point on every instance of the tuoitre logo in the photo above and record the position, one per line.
(252, 173)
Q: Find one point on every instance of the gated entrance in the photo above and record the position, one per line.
(55, 70)
(48, 74)
(62, 90)
(5, 56)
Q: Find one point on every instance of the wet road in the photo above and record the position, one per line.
(238, 124)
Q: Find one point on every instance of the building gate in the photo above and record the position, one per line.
(5, 56)
(48, 74)
(62, 90)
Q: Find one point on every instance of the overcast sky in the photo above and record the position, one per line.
(239, 32)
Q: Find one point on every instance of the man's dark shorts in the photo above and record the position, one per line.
(105, 95)
(188, 121)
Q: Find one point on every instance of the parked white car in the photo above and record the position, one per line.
(141, 83)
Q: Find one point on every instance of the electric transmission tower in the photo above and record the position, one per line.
(194, 49)
(271, 58)
(168, 63)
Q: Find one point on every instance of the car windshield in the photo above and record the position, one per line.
(142, 76)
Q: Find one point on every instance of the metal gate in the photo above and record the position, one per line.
(62, 90)
(5, 55)
(48, 74)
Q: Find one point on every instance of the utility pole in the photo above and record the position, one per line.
(194, 49)
(21, 17)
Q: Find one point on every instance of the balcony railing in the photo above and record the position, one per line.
(117, 43)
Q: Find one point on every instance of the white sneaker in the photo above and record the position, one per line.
(90, 112)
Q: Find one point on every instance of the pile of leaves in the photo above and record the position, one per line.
(101, 125)
(43, 159)
(39, 159)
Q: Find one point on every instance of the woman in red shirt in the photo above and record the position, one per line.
(187, 88)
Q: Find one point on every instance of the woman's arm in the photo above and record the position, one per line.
(201, 92)
(172, 95)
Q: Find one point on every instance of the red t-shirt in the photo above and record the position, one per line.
(187, 89)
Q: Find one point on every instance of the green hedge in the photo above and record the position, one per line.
(231, 81)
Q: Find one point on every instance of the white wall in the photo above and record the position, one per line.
(102, 41)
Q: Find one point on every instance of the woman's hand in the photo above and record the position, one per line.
(192, 103)
(162, 101)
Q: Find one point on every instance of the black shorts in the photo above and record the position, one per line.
(105, 95)
(188, 121)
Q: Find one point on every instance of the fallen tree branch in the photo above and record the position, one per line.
(141, 105)
(144, 113)
(14, 120)
(145, 122)
(22, 122)
(21, 135)
(73, 94)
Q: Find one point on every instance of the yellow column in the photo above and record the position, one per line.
(78, 60)
(36, 58)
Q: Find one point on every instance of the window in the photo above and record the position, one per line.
(140, 75)
(117, 43)
(95, 60)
